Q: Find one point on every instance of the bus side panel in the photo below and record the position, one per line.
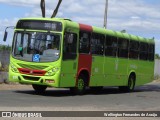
(68, 73)
(110, 71)
(145, 72)
(84, 63)
(97, 75)
(122, 67)
(133, 66)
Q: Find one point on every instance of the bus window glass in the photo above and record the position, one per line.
(122, 48)
(111, 46)
(70, 46)
(143, 51)
(84, 43)
(18, 44)
(97, 44)
(28, 44)
(151, 52)
(134, 49)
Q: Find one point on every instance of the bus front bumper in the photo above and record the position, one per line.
(52, 81)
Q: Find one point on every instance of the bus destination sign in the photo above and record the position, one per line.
(39, 25)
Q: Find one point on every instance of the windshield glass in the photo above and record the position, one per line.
(36, 46)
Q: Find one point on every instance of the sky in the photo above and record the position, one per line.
(138, 17)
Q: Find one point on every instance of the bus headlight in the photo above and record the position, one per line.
(13, 68)
(52, 71)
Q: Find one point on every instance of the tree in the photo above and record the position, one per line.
(157, 56)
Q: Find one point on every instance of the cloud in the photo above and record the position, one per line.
(8, 22)
(29, 3)
(139, 17)
(1, 32)
(122, 14)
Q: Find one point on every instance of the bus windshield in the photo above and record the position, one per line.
(45, 46)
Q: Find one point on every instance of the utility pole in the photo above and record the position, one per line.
(105, 15)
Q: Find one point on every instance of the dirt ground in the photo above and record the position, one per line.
(17, 86)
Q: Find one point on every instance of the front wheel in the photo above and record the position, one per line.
(39, 88)
(80, 87)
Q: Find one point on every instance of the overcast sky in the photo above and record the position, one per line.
(138, 17)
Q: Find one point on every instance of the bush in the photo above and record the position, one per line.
(4, 68)
(156, 77)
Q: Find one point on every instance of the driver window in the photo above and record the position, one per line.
(18, 43)
(52, 42)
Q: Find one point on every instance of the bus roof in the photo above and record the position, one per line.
(97, 29)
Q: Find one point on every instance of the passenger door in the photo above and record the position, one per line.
(69, 60)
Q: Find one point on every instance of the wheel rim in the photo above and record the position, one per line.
(80, 85)
(131, 84)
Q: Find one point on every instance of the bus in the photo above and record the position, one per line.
(60, 53)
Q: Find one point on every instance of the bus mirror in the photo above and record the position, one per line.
(5, 36)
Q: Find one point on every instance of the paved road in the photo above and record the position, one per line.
(23, 98)
(146, 97)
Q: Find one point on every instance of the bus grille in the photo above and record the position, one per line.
(31, 78)
(34, 67)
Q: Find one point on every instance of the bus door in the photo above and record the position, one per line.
(69, 59)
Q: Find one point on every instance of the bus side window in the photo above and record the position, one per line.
(97, 44)
(84, 42)
(122, 48)
(134, 49)
(151, 52)
(143, 51)
(70, 46)
(111, 46)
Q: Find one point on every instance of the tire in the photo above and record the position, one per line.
(130, 86)
(39, 88)
(80, 87)
(131, 83)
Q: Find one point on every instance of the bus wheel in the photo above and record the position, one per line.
(81, 86)
(131, 83)
(130, 86)
(39, 88)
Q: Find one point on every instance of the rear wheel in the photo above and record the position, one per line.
(130, 86)
(80, 87)
(39, 88)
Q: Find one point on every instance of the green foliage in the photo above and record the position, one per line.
(157, 56)
(5, 47)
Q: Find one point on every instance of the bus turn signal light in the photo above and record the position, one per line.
(50, 81)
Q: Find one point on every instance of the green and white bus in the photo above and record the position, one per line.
(60, 53)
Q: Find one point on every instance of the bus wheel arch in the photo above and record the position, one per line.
(130, 83)
(81, 83)
(84, 73)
